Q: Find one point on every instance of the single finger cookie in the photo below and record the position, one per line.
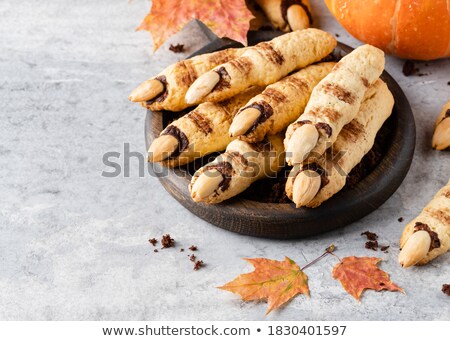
(262, 64)
(427, 236)
(235, 170)
(287, 15)
(278, 105)
(166, 91)
(334, 102)
(202, 131)
(441, 136)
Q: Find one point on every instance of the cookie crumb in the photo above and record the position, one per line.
(384, 248)
(337, 35)
(409, 68)
(446, 289)
(192, 258)
(198, 264)
(155, 250)
(181, 250)
(193, 248)
(178, 48)
(370, 235)
(167, 241)
(372, 245)
(400, 220)
(153, 241)
(448, 83)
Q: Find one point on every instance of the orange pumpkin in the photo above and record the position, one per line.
(413, 29)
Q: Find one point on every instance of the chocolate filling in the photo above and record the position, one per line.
(285, 4)
(226, 170)
(266, 111)
(325, 128)
(262, 146)
(183, 141)
(316, 168)
(163, 95)
(224, 81)
(319, 170)
(435, 242)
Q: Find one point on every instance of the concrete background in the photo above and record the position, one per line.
(73, 244)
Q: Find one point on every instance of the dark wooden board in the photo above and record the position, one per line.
(284, 221)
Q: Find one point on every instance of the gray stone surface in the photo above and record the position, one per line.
(73, 244)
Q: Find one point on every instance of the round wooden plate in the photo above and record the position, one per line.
(284, 221)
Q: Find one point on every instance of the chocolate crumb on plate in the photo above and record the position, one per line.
(384, 248)
(153, 241)
(446, 289)
(370, 235)
(178, 48)
(167, 241)
(372, 245)
(181, 250)
(192, 258)
(337, 35)
(155, 250)
(193, 248)
(400, 220)
(448, 83)
(198, 264)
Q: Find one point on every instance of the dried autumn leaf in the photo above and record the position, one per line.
(359, 273)
(276, 281)
(226, 18)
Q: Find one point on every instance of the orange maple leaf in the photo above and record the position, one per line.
(276, 281)
(359, 273)
(226, 18)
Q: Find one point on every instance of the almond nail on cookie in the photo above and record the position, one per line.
(428, 235)
(334, 102)
(202, 131)
(441, 136)
(278, 105)
(316, 180)
(262, 64)
(235, 170)
(167, 90)
(287, 15)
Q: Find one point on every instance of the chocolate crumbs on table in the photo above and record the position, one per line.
(192, 258)
(198, 264)
(370, 235)
(153, 241)
(178, 48)
(372, 245)
(193, 248)
(409, 68)
(446, 289)
(167, 241)
(400, 220)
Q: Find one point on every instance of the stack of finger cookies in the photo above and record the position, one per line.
(268, 106)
